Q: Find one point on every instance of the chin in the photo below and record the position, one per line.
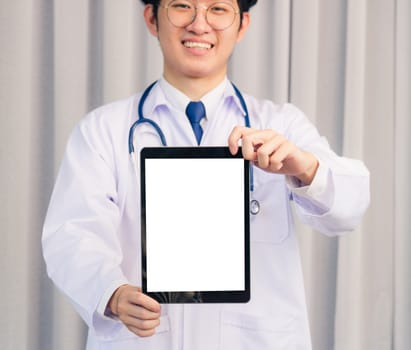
(198, 75)
(201, 72)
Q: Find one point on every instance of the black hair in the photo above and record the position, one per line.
(244, 5)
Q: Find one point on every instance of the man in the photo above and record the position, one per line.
(91, 239)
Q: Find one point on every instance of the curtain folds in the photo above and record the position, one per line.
(402, 171)
(345, 63)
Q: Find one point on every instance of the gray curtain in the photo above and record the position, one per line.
(346, 63)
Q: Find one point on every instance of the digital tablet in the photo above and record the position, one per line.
(195, 225)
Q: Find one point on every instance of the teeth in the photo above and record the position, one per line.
(192, 44)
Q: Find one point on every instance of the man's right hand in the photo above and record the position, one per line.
(139, 313)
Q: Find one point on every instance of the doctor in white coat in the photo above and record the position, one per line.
(91, 238)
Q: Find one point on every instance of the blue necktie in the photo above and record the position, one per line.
(195, 112)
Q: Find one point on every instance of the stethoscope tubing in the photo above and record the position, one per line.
(141, 119)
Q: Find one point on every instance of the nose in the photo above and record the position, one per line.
(199, 24)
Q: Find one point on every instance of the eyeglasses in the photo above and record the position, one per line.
(219, 15)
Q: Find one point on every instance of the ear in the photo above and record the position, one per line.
(150, 20)
(244, 26)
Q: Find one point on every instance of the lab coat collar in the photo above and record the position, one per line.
(230, 95)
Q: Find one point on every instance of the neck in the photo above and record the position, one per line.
(195, 88)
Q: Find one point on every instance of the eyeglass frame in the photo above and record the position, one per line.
(236, 12)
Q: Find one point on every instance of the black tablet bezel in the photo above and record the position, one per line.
(166, 297)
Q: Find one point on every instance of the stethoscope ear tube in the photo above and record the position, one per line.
(139, 122)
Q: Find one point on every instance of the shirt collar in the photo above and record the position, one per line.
(179, 100)
(175, 98)
(165, 94)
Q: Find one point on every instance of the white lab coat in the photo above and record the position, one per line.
(91, 237)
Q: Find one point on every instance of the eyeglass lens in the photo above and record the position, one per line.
(219, 15)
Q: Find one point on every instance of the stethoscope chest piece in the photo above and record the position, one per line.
(254, 207)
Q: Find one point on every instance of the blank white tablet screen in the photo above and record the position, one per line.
(195, 224)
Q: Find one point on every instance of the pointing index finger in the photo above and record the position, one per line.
(236, 135)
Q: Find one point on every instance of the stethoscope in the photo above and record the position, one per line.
(254, 204)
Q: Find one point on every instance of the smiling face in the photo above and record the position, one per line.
(196, 52)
